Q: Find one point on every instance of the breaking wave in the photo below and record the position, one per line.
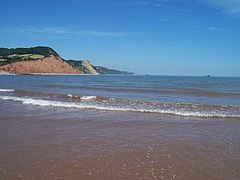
(125, 105)
(6, 90)
(82, 97)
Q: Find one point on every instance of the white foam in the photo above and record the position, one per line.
(88, 97)
(69, 95)
(41, 102)
(82, 97)
(6, 90)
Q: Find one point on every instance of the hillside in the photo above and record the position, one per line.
(47, 65)
(32, 60)
(45, 60)
(12, 55)
(86, 67)
(46, 51)
(104, 70)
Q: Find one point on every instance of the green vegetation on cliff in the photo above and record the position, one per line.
(11, 55)
(45, 51)
(76, 64)
(87, 68)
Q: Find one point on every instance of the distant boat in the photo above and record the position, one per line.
(147, 75)
(208, 75)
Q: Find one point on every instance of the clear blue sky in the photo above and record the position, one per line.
(166, 37)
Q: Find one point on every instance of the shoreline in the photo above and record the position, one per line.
(8, 73)
(114, 145)
(84, 127)
(61, 74)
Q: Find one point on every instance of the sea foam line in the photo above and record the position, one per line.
(41, 102)
(6, 90)
(82, 97)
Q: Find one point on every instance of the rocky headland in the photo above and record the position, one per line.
(44, 60)
(47, 65)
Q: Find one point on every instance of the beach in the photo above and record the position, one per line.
(68, 141)
(116, 146)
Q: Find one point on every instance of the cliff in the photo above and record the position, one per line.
(12, 55)
(49, 65)
(85, 66)
(44, 60)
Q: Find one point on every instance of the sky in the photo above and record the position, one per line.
(161, 37)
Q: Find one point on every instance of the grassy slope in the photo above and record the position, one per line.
(12, 55)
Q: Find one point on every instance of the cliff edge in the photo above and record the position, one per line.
(47, 65)
(34, 60)
(44, 60)
(84, 66)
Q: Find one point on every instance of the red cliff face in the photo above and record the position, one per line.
(48, 65)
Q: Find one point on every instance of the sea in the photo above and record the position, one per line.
(119, 127)
(203, 97)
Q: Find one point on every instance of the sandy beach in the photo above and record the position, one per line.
(106, 145)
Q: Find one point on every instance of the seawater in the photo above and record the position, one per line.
(119, 127)
(173, 95)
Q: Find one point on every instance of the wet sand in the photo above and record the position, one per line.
(51, 143)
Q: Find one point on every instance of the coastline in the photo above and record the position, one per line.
(8, 73)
